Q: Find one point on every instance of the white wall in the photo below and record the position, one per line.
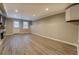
(56, 27)
(78, 40)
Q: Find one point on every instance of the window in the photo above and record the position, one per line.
(16, 24)
(25, 25)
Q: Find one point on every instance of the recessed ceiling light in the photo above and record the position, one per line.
(16, 10)
(47, 9)
(34, 15)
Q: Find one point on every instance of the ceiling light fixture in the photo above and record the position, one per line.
(34, 15)
(16, 10)
(47, 9)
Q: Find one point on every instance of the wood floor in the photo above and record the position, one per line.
(29, 44)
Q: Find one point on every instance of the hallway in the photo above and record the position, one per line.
(29, 44)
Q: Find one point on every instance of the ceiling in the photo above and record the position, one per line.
(33, 11)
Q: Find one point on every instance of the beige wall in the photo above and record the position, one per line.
(78, 40)
(56, 27)
(9, 27)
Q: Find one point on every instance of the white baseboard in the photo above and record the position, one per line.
(56, 39)
(50, 38)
